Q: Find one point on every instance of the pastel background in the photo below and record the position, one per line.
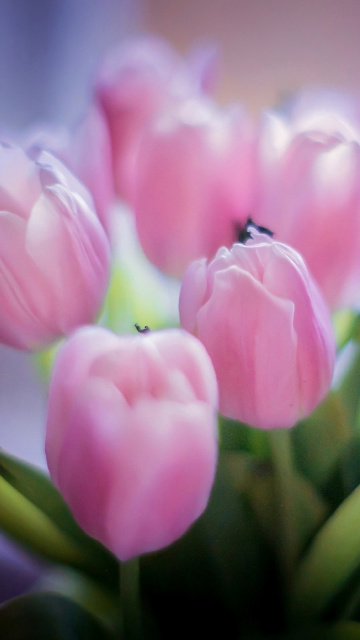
(49, 50)
(268, 47)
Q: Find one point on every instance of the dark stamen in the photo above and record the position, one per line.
(243, 233)
(140, 330)
(259, 228)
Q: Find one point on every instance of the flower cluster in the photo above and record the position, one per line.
(259, 224)
(192, 174)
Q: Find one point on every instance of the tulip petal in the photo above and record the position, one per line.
(257, 369)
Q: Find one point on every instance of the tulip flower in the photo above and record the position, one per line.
(308, 189)
(86, 151)
(131, 439)
(194, 183)
(135, 83)
(54, 254)
(266, 328)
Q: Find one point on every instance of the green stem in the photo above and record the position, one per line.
(288, 543)
(131, 599)
(27, 524)
(258, 443)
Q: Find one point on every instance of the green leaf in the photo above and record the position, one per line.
(37, 487)
(255, 479)
(46, 616)
(348, 388)
(319, 441)
(37, 517)
(21, 519)
(90, 595)
(345, 476)
(334, 554)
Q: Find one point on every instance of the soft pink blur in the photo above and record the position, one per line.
(266, 328)
(268, 49)
(308, 189)
(194, 183)
(134, 84)
(86, 151)
(54, 254)
(131, 438)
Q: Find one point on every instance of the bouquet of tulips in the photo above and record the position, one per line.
(187, 278)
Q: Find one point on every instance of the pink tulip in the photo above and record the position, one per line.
(54, 254)
(266, 328)
(135, 83)
(86, 151)
(194, 184)
(131, 438)
(309, 189)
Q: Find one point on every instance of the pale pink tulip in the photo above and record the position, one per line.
(135, 83)
(194, 184)
(131, 439)
(266, 328)
(54, 254)
(86, 151)
(308, 187)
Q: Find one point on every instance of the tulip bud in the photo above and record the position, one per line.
(194, 183)
(135, 83)
(266, 328)
(131, 439)
(54, 254)
(308, 189)
(86, 151)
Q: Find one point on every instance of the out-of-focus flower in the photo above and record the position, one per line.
(131, 438)
(86, 151)
(203, 63)
(135, 83)
(309, 189)
(194, 184)
(54, 253)
(266, 328)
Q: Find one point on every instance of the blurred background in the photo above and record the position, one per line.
(268, 47)
(49, 50)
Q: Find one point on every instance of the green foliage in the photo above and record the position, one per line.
(275, 556)
(41, 616)
(38, 517)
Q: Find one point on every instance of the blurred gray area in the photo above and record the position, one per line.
(49, 50)
(22, 407)
(22, 425)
